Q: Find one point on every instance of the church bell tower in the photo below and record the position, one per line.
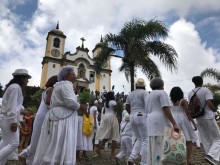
(52, 61)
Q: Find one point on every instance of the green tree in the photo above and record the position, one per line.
(139, 40)
(211, 72)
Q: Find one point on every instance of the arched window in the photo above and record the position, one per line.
(81, 71)
(56, 42)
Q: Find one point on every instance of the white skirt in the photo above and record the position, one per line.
(57, 143)
(109, 128)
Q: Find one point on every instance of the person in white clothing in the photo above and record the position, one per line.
(182, 116)
(126, 139)
(135, 105)
(57, 142)
(93, 111)
(207, 125)
(109, 127)
(44, 107)
(11, 105)
(158, 117)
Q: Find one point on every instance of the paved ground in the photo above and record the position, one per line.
(198, 158)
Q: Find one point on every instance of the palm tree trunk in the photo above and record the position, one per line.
(132, 76)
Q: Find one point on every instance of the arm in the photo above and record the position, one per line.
(48, 95)
(210, 105)
(169, 115)
(128, 108)
(95, 126)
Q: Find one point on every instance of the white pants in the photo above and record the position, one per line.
(9, 142)
(126, 147)
(139, 127)
(210, 137)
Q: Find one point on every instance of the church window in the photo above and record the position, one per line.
(92, 77)
(103, 87)
(81, 71)
(54, 65)
(56, 42)
(103, 75)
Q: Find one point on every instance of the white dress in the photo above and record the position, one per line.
(92, 111)
(29, 152)
(183, 122)
(109, 127)
(57, 143)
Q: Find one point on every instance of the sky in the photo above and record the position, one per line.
(194, 32)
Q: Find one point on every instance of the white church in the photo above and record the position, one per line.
(55, 59)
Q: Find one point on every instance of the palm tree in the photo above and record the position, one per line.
(139, 40)
(211, 72)
(214, 88)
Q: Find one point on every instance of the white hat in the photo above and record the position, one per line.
(95, 102)
(21, 72)
(140, 83)
(127, 117)
(100, 100)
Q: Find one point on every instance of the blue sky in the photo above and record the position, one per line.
(194, 31)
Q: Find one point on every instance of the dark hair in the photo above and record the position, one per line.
(176, 94)
(197, 80)
(110, 96)
(51, 81)
(140, 87)
(17, 79)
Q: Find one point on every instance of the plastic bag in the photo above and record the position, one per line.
(87, 125)
(174, 147)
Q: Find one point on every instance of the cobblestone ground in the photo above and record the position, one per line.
(197, 158)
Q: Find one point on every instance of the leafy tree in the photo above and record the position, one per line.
(139, 41)
(211, 72)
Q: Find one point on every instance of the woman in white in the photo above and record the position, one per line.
(94, 113)
(109, 128)
(158, 117)
(182, 117)
(29, 152)
(135, 105)
(57, 143)
(9, 118)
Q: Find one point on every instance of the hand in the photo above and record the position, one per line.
(14, 127)
(176, 129)
(195, 127)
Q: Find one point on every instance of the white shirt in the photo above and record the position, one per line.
(203, 94)
(156, 119)
(136, 99)
(12, 102)
(92, 111)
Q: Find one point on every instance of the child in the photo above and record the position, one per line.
(126, 139)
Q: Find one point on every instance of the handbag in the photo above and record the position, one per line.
(174, 147)
(87, 125)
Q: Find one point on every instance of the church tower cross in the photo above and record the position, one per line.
(83, 39)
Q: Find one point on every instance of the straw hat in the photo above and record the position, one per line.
(140, 83)
(21, 72)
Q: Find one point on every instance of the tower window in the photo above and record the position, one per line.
(103, 87)
(54, 65)
(91, 77)
(56, 42)
(103, 75)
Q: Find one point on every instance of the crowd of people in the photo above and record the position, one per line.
(57, 134)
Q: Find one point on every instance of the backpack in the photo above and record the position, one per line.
(194, 106)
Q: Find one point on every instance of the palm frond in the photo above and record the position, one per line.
(164, 52)
(211, 72)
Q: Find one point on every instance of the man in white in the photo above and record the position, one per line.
(207, 125)
(135, 105)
